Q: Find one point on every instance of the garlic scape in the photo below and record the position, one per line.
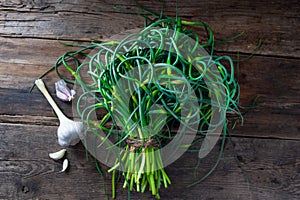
(69, 131)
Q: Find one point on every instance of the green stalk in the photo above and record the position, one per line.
(113, 189)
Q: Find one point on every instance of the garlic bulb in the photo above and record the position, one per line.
(69, 131)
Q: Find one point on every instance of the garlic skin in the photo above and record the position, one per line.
(63, 92)
(58, 155)
(69, 132)
(65, 165)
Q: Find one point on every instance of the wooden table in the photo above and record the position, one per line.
(267, 145)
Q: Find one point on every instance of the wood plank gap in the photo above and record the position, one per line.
(262, 137)
(28, 120)
(257, 54)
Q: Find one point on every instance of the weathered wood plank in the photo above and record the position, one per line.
(275, 80)
(269, 120)
(21, 102)
(30, 32)
(277, 26)
(26, 59)
(26, 172)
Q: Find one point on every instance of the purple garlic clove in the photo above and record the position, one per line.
(63, 92)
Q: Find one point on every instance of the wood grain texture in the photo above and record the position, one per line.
(28, 173)
(276, 23)
(274, 80)
(267, 145)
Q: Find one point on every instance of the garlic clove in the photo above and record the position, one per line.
(73, 92)
(65, 165)
(63, 92)
(57, 155)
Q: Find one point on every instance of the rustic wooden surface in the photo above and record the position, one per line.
(267, 145)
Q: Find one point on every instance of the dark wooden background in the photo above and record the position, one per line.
(267, 145)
